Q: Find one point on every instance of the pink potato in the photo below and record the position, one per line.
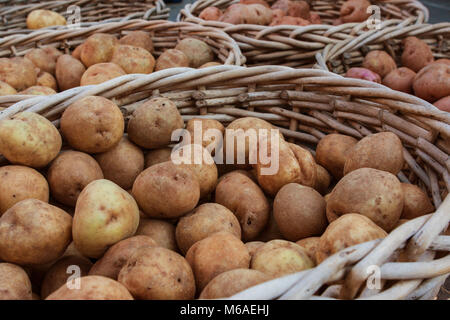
(364, 74)
(400, 79)
(210, 13)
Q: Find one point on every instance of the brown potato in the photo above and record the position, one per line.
(18, 183)
(299, 212)
(379, 62)
(6, 89)
(93, 124)
(232, 282)
(45, 79)
(271, 231)
(98, 48)
(93, 288)
(171, 58)
(161, 231)
(207, 132)
(152, 123)
(310, 245)
(68, 72)
(308, 167)
(298, 9)
(18, 72)
(197, 51)
(104, 215)
(373, 193)
(61, 271)
(354, 11)
(218, 253)
(41, 60)
(432, 82)
(34, 232)
(363, 74)
(166, 190)
(416, 54)
(400, 79)
(133, 59)
(323, 180)
(139, 39)
(70, 173)
(443, 104)
(382, 151)
(52, 52)
(117, 256)
(76, 53)
(41, 18)
(29, 139)
(348, 230)
(157, 156)
(417, 203)
(166, 273)
(253, 246)
(246, 200)
(205, 220)
(101, 72)
(210, 64)
(38, 91)
(122, 164)
(210, 13)
(14, 283)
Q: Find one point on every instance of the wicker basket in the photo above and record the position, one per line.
(306, 104)
(13, 14)
(292, 45)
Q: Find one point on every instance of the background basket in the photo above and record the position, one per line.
(306, 104)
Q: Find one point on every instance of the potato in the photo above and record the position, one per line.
(29, 139)
(98, 48)
(261, 2)
(18, 183)
(171, 58)
(210, 64)
(45, 79)
(157, 156)
(203, 222)
(298, 9)
(133, 59)
(68, 72)
(310, 246)
(253, 246)
(6, 89)
(271, 231)
(417, 203)
(308, 167)
(288, 20)
(166, 273)
(53, 52)
(315, 18)
(70, 173)
(323, 180)
(382, 151)
(139, 39)
(18, 72)
(34, 232)
(373, 193)
(299, 212)
(232, 282)
(62, 271)
(207, 132)
(76, 53)
(151, 125)
(277, 258)
(355, 11)
(122, 164)
(93, 124)
(161, 231)
(363, 74)
(443, 104)
(93, 288)
(38, 90)
(432, 82)
(41, 60)
(210, 13)
(14, 282)
(218, 253)
(197, 51)
(416, 54)
(400, 79)
(348, 230)
(166, 190)
(117, 256)
(104, 215)
(101, 72)
(246, 200)
(379, 62)
(41, 18)
(239, 13)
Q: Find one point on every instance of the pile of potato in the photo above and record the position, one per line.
(101, 57)
(114, 208)
(420, 74)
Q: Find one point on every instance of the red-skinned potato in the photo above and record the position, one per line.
(443, 104)
(299, 9)
(416, 54)
(262, 2)
(400, 79)
(363, 74)
(210, 13)
(379, 62)
(239, 13)
(433, 81)
(355, 11)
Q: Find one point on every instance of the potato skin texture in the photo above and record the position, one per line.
(348, 230)
(171, 58)
(197, 51)
(29, 139)
(433, 81)
(232, 282)
(93, 124)
(6, 89)
(202, 222)
(70, 173)
(443, 104)
(373, 193)
(139, 39)
(400, 79)
(323, 180)
(93, 288)
(161, 231)
(38, 90)
(167, 273)
(166, 190)
(98, 48)
(211, 143)
(308, 167)
(133, 59)
(18, 183)
(417, 203)
(68, 72)
(299, 212)
(101, 72)
(156, 156)
(379, 62)
(104, 215)
(416, 54)
(41, 60)
(382, 151)
(14, 283)
(40, 18)
(354, 11)
(45, 79)
(210, 13)
(253, 246)
(310, 245)
(34, 232)
(363, 74)
(246, 200)
(18, 72)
